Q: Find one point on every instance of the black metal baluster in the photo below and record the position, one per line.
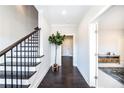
(31, 50)
(28, 57)
(37, 47)
(25, 59)
(35, 51)
(21, 62)
(5, 85)
(17, 66)
(39, 42)
(11, 68)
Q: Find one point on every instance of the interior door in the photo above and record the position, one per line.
(67, 46)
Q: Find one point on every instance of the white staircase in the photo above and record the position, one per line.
(19, 61)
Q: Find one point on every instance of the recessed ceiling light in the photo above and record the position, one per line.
(64, 12)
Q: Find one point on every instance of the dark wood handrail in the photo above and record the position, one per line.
(16, 43)
(42, 56)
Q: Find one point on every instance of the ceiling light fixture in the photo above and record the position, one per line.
(64, 12)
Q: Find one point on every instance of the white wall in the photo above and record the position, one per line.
(15, 23)
(111, 33)
(85, 66)
(45, 50)
(67, 46)
(65, 29)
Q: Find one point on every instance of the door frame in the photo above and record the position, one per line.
(93, 47)
(72, 45)
(74, 50)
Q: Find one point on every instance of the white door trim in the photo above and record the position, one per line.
(93, 47)
(74, 49)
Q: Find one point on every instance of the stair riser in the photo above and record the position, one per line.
(36, 42)
(27, 46)
(24, 52)
(36, 49)
(33, 44)
(24, 82)
(27, 49)
(23, 60)
(8, 68)
(34, 53)
(24, 48)
(33, 40)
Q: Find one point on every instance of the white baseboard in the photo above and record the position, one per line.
(39, 79)
(38, 82)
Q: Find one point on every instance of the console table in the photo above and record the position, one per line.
(109, 58)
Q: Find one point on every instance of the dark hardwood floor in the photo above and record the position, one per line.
(67, 77)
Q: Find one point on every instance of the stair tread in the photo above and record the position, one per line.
(8, 74)
(24, 56)
(35, 36)
(23, 64)
(26, 51)
(31, 42)
(14, 86)
(29, 46)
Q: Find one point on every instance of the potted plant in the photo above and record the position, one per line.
(56, 39)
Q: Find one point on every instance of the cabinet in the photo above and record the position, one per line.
(109, 59)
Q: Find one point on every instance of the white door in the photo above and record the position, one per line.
(67, 46)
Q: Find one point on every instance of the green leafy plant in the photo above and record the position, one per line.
(56, 39)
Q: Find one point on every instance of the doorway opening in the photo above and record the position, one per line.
(93, 49)
(67, 51)
(108, 45)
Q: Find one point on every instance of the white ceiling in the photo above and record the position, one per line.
(72, 14)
